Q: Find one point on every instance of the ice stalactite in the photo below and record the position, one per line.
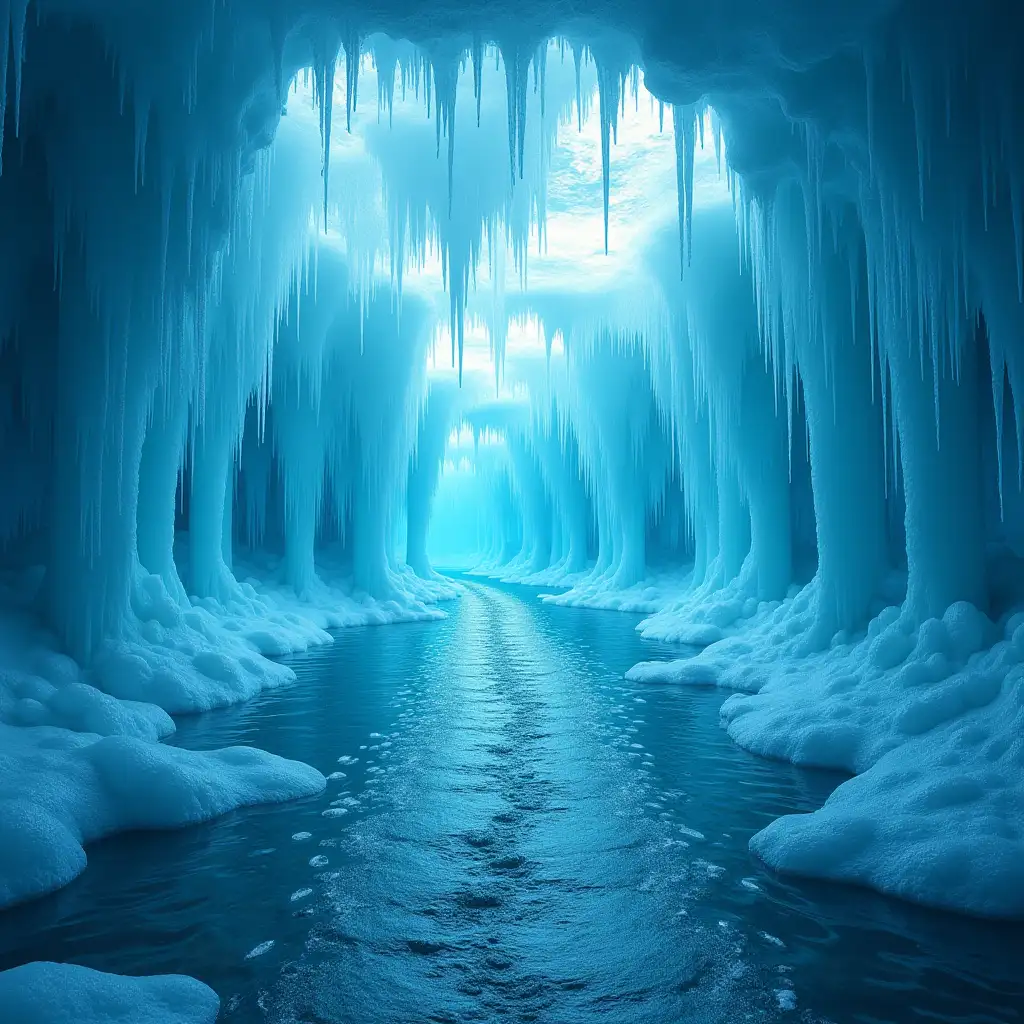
(453, 200)
(105, 381)
(684, 121)
(609, 81)
(535, 504)
(304, 420)
(558, 456)
(690, 430)
(937, 419)
(622, 453)
(299, 437)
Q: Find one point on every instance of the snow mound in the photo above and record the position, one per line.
(939, 820)
(928, 716)
(46, 993)
(60, 790)
(39, 686)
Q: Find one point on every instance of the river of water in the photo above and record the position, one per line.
(513, 832)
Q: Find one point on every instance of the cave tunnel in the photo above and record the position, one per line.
(511, 511)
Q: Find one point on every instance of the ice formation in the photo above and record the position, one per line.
(58, 993)
(777, 411)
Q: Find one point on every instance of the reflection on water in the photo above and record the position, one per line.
(514, 832)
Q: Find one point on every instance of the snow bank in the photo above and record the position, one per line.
(705, 614)
(930, 717)
(45, 993)
(60, 790)
(939, 820)
(600, 591)
(592, 589)
(215, 652)
(78, 753)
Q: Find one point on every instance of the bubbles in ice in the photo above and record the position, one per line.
(300, 894)
(319, 861)
(301, 837)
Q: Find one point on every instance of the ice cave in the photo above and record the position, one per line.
(511, 511)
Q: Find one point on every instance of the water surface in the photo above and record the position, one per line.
(518, 834)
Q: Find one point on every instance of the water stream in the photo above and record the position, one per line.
(513, 833)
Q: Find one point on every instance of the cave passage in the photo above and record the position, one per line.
(523, 835)
(705, 313)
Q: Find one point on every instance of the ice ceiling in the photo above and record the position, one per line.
(234, 231)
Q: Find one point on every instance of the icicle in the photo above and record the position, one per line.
(324, 94)
(446, 81)
(513, 88)
(1017, 204)
(351, 46)
(18, 14)
(716, 134)
(609, 94)
(5, 31)
(477, 57)
(141, 106)
(386, 63)
(918, 100)
(541, 66)
(683, 118)
(998, 401)
(577, 54)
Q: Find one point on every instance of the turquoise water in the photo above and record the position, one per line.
(519, 835)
